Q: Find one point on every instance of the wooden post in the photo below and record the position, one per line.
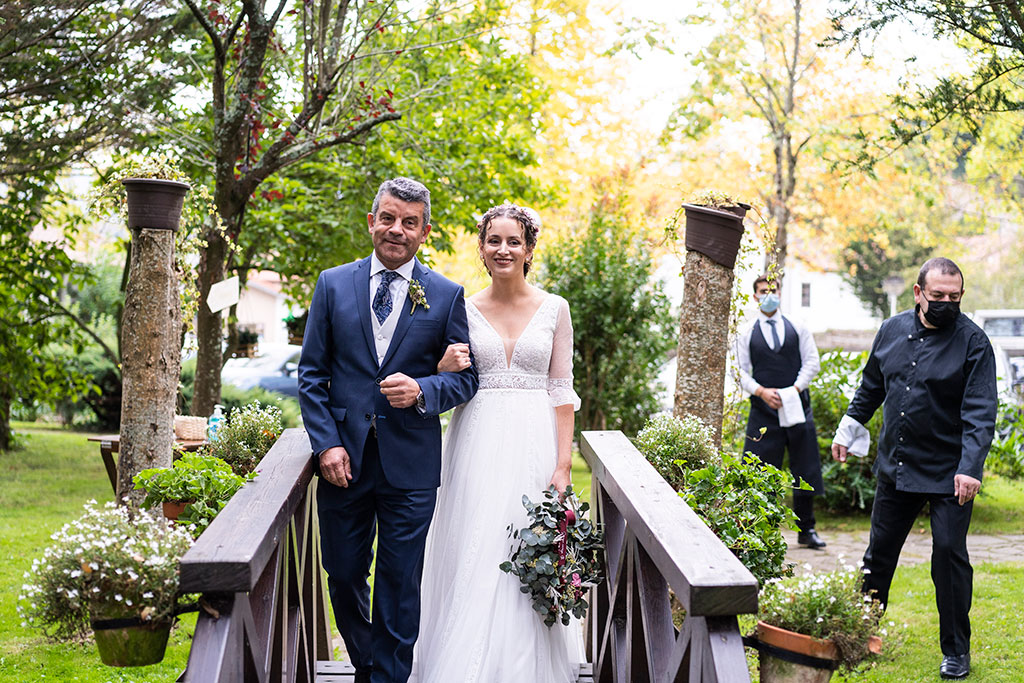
(150, 333)
(703, 341)
(712, 242)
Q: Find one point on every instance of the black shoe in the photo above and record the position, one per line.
(362, 677)
(955, 666)
(811, 539)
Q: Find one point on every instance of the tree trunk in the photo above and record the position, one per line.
(703, 341)
(151, 359)
(5, 418)
(209, 329)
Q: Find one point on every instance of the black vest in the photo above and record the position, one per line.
(775, 368)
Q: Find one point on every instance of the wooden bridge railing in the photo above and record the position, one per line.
(656, 544)
(258, 569)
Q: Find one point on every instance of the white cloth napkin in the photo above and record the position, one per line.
(854, 436)
(792, 410)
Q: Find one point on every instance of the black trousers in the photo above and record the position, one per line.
(892, 518)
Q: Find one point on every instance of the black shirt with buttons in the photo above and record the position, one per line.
(939, 392)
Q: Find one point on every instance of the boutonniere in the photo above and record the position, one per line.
(417, 296)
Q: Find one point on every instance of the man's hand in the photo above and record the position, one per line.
(839, 452)
(771, 397)
(400, 390)
(335, 466)
(965, 488)
(456, 358)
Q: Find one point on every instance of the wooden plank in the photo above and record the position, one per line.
(726, 643)
(233, 551)
(335, 672)
(706, 577)
(656, 614)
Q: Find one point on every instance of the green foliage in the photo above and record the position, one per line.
(250, 432)
(849, 487)
(104, 564)
(233, 398)
(826, 606)
(675, 446)
(898, 250)
(743, 501)
(33, 319)
(556, 588)
(1006, 457)
(205, 482)
(623, 326)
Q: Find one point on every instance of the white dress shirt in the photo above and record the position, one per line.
(809, 363)
(383, 332)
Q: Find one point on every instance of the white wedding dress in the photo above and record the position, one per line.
(476, 625)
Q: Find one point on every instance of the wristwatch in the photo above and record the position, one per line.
(421, 403)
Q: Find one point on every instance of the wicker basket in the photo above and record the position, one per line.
(190, 427)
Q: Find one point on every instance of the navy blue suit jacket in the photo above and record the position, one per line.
(339, 376)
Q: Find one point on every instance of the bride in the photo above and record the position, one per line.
(513, 438)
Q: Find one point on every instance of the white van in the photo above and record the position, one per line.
(1004, 327)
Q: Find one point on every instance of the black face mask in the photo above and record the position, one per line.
(942, 313)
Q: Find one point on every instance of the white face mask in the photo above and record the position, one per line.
(770, 302)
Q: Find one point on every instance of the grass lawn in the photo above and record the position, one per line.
(997, 640)
(998, 510)
(41, 488)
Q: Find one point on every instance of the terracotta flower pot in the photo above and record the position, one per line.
(776, 670)
(154, 203)
(716, 233)
(173, 508)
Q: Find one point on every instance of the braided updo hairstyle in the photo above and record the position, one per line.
(527, 219)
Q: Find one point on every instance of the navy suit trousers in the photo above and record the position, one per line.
(399, 518)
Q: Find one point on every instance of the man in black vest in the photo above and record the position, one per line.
(777, 361)
(933, 372)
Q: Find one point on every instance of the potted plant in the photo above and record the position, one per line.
(741, 499)
(247, 340)
(810, 625)
(250, 432)
(113, 573)
(296, 327)
(193, 490)
(714, 225)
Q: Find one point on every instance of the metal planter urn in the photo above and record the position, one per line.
(715, 232)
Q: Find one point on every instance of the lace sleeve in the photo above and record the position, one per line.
(560, 389)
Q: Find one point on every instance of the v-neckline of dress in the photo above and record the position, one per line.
(509, 357)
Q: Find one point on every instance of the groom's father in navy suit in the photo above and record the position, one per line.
(371, 396)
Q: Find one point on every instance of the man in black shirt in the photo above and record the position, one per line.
(934, 370)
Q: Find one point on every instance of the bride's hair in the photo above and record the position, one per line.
(526, 217)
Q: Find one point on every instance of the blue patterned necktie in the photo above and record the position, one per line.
(775, 335)
(382, 299)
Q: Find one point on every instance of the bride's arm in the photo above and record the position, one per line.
(563, 398)
(565, 423)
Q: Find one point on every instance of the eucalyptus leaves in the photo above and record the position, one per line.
(557, 556)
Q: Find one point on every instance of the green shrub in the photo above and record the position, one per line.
(1006, 457)
(250, 432)
(743, 501)
(849, 487)
(674, 446)
(233, 398)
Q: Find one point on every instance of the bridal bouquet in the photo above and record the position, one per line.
(556, 558)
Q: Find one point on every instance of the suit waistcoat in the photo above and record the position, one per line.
(772, 368)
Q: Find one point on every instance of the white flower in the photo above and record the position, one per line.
(118, 597)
